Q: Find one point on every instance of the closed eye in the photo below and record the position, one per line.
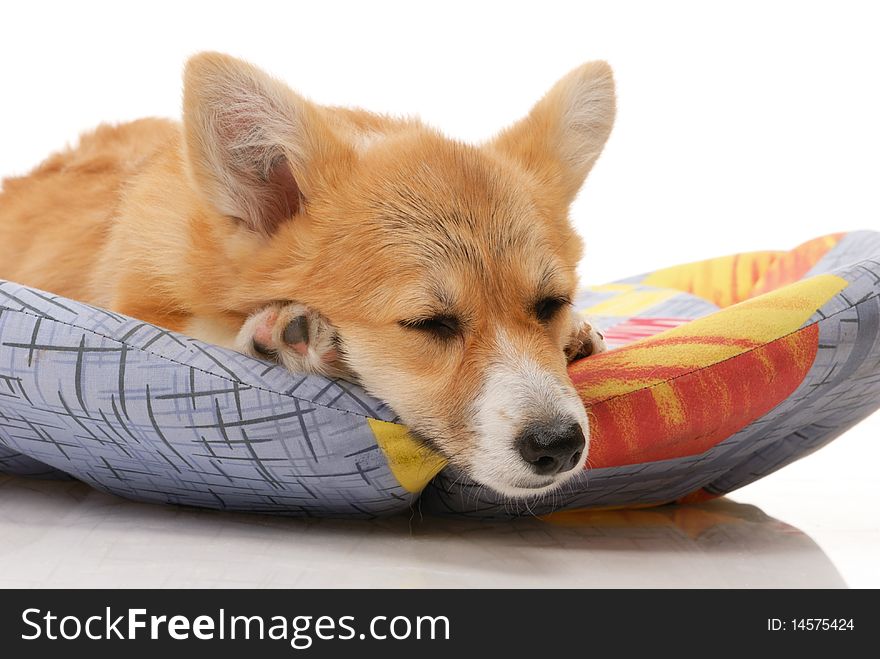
(547, 308)
(441, 327)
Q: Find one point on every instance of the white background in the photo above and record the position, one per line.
(741, 125)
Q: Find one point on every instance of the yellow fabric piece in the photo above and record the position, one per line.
(723, 281)
(628, 302)
(412, 464)
(730, 279)
(793, 265)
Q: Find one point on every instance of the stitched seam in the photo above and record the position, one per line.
(179, 363)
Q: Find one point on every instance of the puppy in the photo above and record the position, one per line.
(438, 274)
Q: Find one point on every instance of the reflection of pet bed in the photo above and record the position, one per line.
(723, 371)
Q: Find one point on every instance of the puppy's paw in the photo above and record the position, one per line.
(586, 340)
(295, 336)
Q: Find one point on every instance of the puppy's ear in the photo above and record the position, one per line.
(255, 148)
(565, 132)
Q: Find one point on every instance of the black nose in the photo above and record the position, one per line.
(552, 447)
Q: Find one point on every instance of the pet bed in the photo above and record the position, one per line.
(719, 373)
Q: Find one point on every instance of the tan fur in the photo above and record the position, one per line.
(396, 221)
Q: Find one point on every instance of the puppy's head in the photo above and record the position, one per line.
(448, 269)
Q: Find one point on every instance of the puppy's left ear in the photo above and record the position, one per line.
(563, 135)
(257, 150)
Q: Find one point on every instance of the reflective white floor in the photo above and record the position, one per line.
(814, 523)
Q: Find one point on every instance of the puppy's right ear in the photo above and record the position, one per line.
(257, 150)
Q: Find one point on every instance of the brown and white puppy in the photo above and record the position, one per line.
(439, 274)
